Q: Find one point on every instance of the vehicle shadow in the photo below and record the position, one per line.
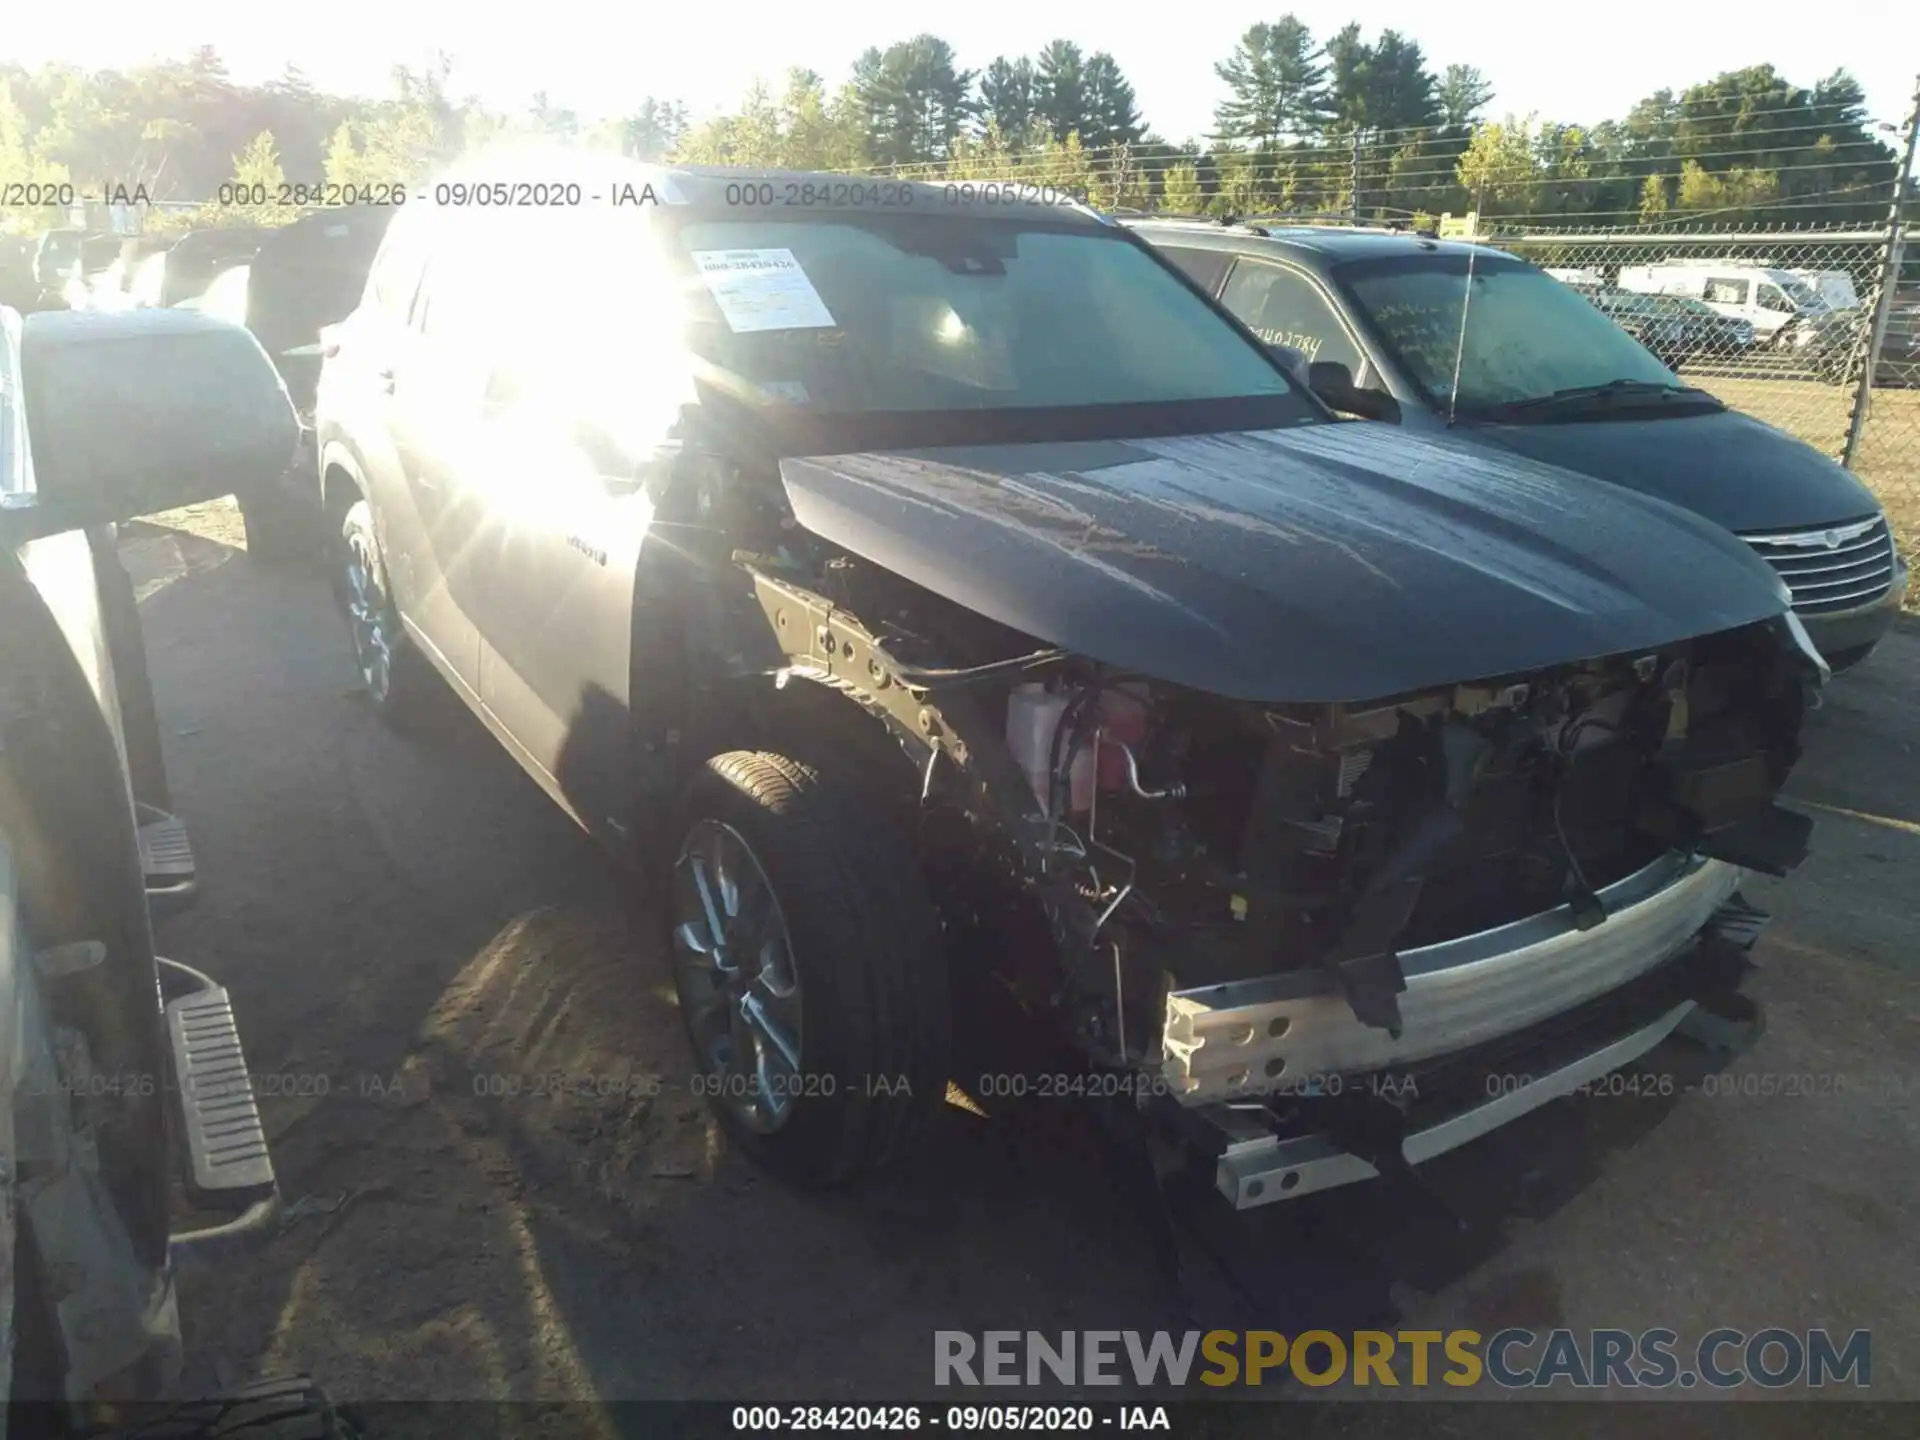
(501, 1183)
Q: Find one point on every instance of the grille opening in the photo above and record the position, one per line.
(1856, 569)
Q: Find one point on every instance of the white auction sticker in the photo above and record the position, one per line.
(762, 290)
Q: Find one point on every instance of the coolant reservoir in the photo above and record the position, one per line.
(1033, 714)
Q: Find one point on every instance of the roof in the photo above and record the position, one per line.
(1333, 242)
(603, 175)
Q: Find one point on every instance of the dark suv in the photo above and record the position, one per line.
(936, 595)
(1542, 373)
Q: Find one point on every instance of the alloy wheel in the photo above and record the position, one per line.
(369, 616)
(736, 978)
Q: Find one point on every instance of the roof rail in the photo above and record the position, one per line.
(1199, 216)
(1332, 219)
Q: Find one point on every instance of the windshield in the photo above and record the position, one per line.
(1526, 335)
(937, 314)
(1803, 295)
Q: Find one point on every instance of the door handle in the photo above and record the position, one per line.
(385, 380)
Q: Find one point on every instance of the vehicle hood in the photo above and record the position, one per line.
(1727, 466)
(1327, 562)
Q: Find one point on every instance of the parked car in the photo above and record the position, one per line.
(1580, 277)
(1900, 352)
(1769, 298)
(122, 1082)
(193, 262)
(115, 287)
(916, 587)
(55, 259)
(1834, 287)
(225, 298)
(1672, 336)
(305, 276)
(1542, 374)
(1676, 329)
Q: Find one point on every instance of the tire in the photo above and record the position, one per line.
(288, 1409)
(398, 678)
(870, 1013)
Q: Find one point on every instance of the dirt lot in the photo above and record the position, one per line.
(416, 939)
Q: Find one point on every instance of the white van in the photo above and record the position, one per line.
(1768, 299)
(1833, 286)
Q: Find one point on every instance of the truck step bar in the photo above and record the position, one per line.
(166, 859)
(228, 1166)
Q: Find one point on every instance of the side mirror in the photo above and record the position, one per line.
(136, 411)
(1293, 361)
(1333, 383)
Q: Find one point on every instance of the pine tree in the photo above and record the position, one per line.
(1275, 81)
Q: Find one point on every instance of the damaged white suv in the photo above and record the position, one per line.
(939, 587)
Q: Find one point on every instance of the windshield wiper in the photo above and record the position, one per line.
(1587, 397)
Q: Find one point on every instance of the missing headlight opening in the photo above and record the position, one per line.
(1244, 902)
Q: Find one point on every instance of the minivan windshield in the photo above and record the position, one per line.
(1527, 334)
(877, 314)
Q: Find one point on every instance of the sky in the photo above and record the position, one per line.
(1571, 63)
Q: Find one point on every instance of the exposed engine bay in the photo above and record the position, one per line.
(1187, 841)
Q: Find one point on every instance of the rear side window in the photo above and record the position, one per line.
(1283, 308)
(1727, 292)
(1206, 267)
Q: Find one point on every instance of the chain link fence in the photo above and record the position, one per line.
(1778, 325)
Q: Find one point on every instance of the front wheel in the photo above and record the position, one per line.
(810, 971)
(395, 674)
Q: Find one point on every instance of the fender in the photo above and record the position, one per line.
(935, 718)
(337, 453)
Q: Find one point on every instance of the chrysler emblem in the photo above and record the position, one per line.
(1831, 539)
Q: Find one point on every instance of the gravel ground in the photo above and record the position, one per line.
(417, 942)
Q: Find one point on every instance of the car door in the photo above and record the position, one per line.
(582, 432)
(438, 406)
(1732, 295)
(355, 406)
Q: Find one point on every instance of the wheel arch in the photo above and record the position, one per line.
(341, 481)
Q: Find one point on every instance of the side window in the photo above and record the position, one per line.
(1727, 292)
(1206, 268)
(1771, 297)
(1282, 308)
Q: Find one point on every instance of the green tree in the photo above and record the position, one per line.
(1113, 115)
(1180, 192)
(1275, 85)
(1007, 90)
(914, 99)
(1462, 94)
(1060, 91)
(257, 181)
(1501, 167)
(20, 165)
(1653, 199)
(555, 121)
(653, 131)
